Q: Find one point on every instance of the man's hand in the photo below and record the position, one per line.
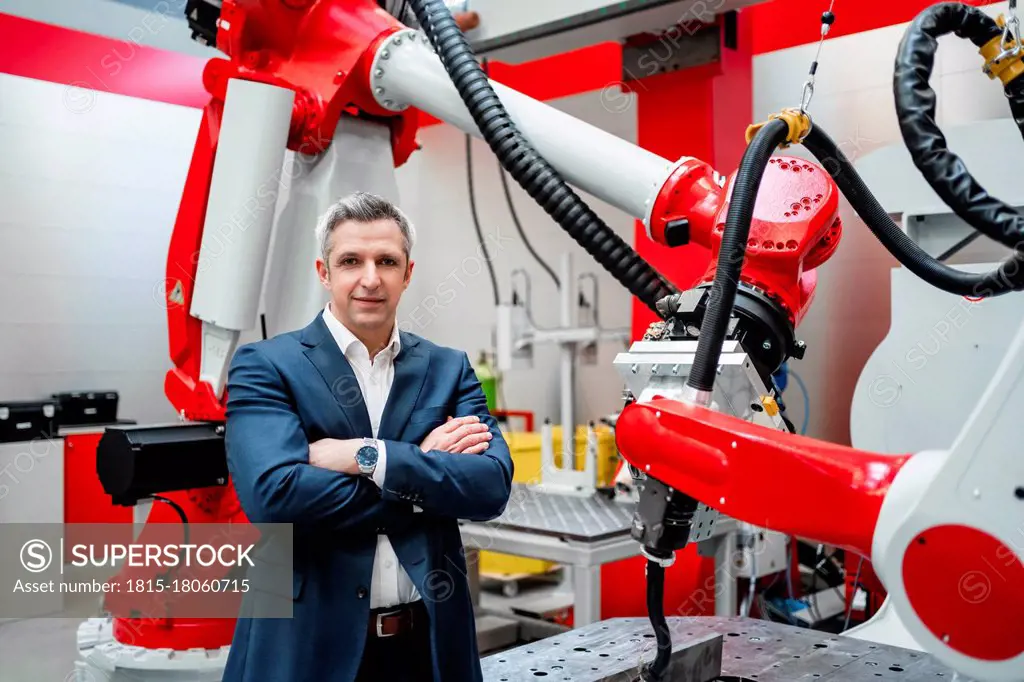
(336, 455)
(464, 435)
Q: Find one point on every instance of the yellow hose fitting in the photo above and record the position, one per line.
(799, 126)
(1003, 58)
(770, 405)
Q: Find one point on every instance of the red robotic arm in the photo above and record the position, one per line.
(724, 462)
(924, 521)
(322, 51)
(796, 225)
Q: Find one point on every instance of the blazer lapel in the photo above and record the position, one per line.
(410, 373)
(337, 373)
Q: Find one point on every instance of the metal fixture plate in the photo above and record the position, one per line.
(606, 651)
(588, 519)
(755, 650)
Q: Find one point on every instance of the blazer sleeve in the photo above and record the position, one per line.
(470, 487)
(268, 458)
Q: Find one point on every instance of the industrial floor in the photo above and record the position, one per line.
(45, 649)
(38, 650)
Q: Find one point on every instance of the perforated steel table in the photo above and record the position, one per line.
(751, 651)
(583, 533)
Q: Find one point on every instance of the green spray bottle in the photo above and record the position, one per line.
(488, 380)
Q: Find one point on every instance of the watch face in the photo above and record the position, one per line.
(366, 456)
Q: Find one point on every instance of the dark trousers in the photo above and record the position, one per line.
(403, 657)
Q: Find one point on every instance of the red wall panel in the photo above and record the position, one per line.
(675, 117)
(785, 23)
(702, 112)
(90, 62)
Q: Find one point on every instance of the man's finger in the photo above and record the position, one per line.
(469, 441)
(456, 441)
(456, 422)
(476, 449)
(464, 430)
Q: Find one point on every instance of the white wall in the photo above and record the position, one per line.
(89, 196)
(853, 102)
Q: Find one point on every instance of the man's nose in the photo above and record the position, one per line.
(370, 278)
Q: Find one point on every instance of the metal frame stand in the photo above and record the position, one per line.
(517, 336)
(584, 560)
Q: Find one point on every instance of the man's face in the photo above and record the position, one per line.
(367, 274)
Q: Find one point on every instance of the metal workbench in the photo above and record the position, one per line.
(582, 533)
(755, 650)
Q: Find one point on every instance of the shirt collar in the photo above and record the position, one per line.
(346, 340)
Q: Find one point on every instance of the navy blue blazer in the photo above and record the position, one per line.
(287, 392)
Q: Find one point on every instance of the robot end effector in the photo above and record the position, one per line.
(793, 228)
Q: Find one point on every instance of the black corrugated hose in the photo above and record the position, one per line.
(731, 255)
(1009, 276)
(656, 610)
(528, 168)
(915, 109)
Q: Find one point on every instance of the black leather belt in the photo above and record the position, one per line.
(398, 620)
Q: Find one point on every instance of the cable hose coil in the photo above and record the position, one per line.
(915, 109)
(527, 166)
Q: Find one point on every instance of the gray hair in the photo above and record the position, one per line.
(362, 207)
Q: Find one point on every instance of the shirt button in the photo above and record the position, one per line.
(388, 563)
(361, 593)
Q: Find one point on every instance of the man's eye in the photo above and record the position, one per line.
(348, 261)
(388, 261)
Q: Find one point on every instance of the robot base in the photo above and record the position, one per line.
(755, 650)
(102, 659)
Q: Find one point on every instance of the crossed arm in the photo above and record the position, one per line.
(269, 458)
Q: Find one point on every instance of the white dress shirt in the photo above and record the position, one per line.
(391, 583)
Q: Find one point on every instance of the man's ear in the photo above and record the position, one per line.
(408, 273)
(323, 273)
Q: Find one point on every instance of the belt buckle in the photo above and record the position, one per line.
(380, 621)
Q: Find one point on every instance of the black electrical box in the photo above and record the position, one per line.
(136, 462)
(83, 408)
(29, 420)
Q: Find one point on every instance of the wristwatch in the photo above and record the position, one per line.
(366, 457)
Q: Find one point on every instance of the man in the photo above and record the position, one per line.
(373, 443)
